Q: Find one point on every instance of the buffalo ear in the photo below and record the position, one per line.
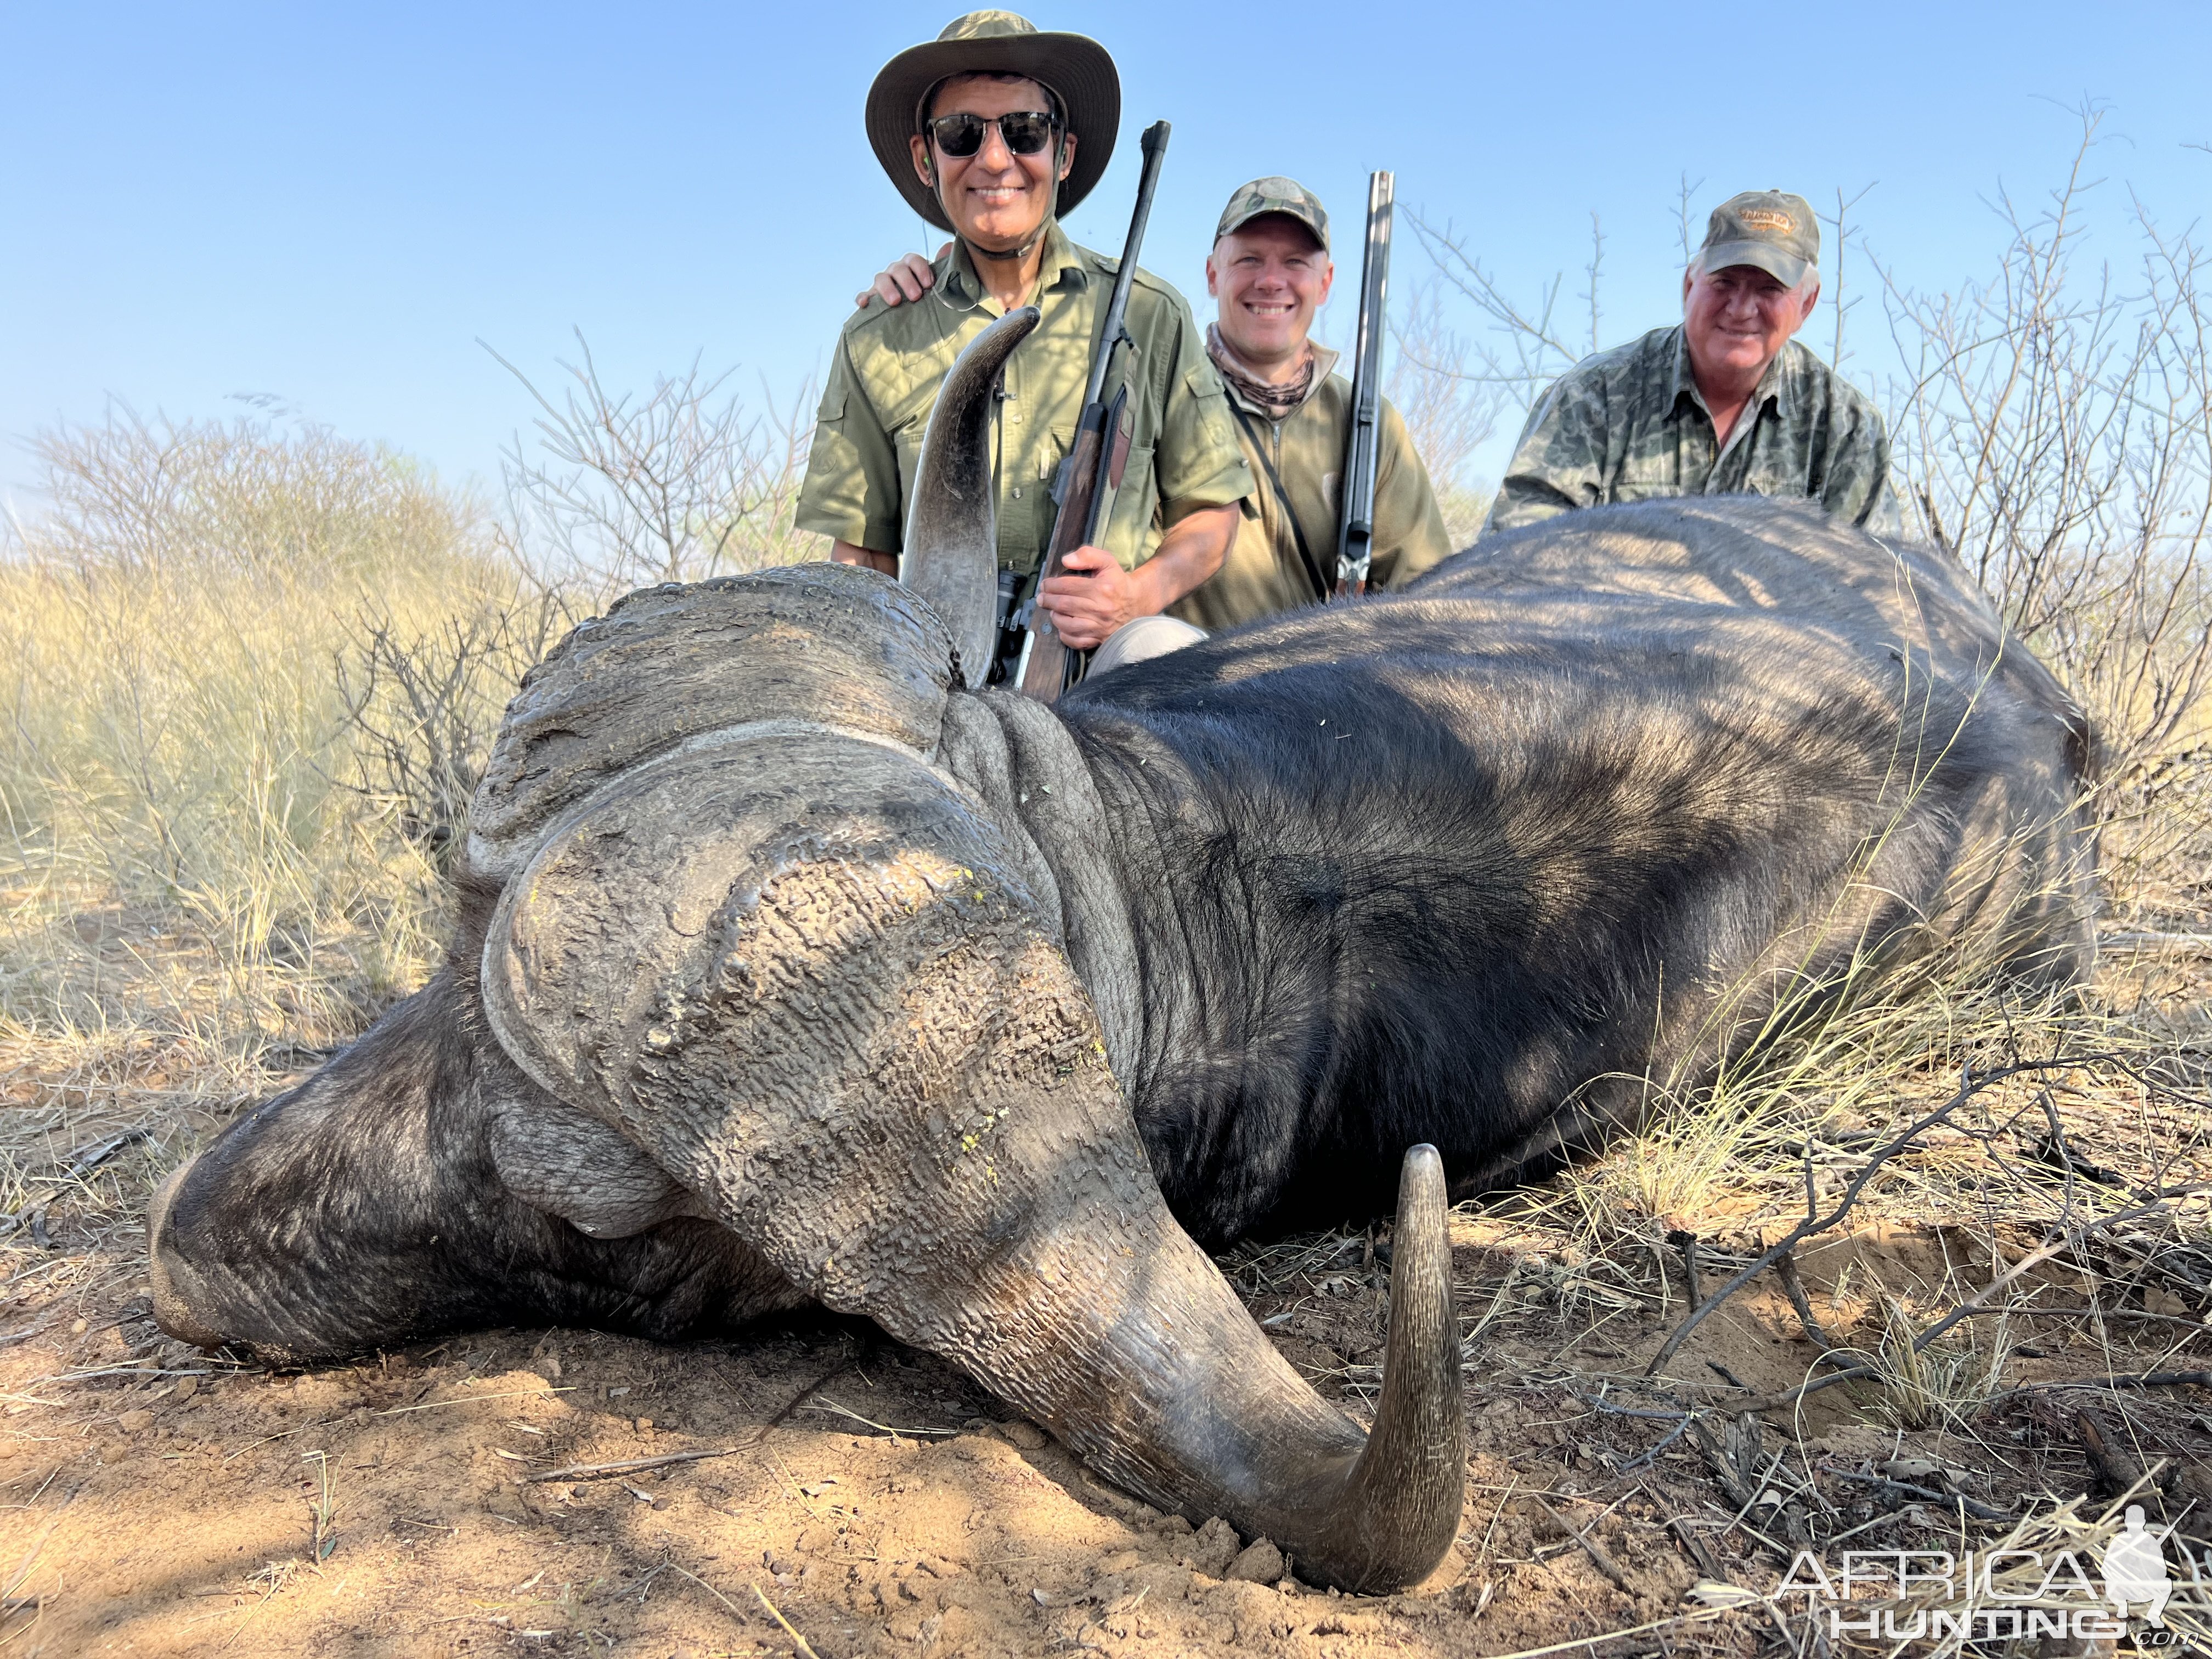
(952, 525)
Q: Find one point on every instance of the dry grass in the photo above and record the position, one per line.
(194, 895)
(257, 668)
(185, 860)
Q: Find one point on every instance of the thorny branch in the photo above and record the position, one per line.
(1973, 1304)
(681, 484)
(2056, 428)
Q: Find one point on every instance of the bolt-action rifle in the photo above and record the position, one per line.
(1355, 525)
(1084, 489)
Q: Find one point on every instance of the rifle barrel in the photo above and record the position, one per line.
(1154, 144)
(1355, 537)
(1087, 478)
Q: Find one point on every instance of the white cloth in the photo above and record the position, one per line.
(1143, 637)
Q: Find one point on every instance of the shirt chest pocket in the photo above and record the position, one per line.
(1130, 529)
(1127, 534)
(1649, 468)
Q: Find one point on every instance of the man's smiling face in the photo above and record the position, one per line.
(1737, 318)
(996, 200)
(1270, 277)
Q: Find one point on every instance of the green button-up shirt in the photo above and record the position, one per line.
(891, 360)
(1630, 424)
(1285, 554)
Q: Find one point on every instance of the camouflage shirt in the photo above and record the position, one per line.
(1630, 424)
(890, 360)
(1285, 554)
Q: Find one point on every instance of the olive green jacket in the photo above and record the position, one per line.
(890, 360)
(1266, 571)
(1630, 424)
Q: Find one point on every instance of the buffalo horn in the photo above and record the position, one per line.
(952, 527)
(804, 974)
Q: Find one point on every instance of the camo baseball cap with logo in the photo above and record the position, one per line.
(1274, 195)
(1771, 229)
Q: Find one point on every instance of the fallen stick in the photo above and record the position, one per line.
(83, 1163)
(1979, 1510)
(2197, 942)
(1603, 1562)
(805, 1650)
(831, 1406)
(2114, 1464)
(1965, 1309)
(1707, 1562)
(1693, 1280)
(1786, 1266)
(627, 1465)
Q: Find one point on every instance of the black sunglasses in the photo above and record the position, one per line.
(1026, 132)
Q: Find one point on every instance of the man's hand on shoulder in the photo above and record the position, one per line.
(908, 277)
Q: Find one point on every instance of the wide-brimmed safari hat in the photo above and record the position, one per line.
(1074, 67)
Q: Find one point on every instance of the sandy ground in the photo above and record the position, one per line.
(860, 1497)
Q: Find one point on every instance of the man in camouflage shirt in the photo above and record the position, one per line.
(1725, 402)
(1269, 272)
(991, 131)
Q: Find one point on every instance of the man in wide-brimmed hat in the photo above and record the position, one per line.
(991, 131)
(1723, 402)
(1269, 273)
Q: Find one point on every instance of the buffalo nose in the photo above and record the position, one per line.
(177, 1287)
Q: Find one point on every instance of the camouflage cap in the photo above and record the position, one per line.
(1771, 229)
(1274, 195)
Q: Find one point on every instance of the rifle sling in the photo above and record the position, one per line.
(1283, 495)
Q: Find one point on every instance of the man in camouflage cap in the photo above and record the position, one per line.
(991, 131)
(1269, 272)
(1723, 402)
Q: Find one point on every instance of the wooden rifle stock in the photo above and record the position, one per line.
(1092, 472)
(1083, 491)
(1355, 533)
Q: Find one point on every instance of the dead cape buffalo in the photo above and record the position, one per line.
(791, 969)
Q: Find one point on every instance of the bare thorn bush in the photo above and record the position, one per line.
(1450, 411)
(424, 706)
(1533, 346)
(678, 484)
(2054, 425)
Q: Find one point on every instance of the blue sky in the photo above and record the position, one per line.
(333, 203)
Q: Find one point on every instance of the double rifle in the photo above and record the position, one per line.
(1355, 524)
(1083, 490)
